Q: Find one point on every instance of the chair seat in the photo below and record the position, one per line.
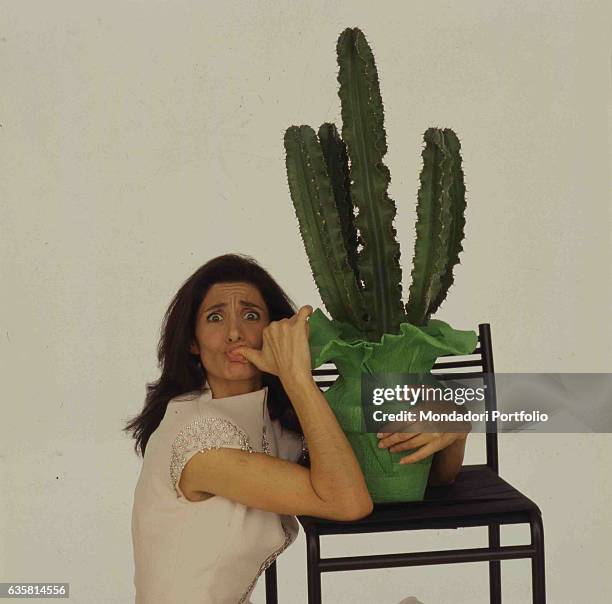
(478, 496)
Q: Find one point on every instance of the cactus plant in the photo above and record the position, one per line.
(338, 185)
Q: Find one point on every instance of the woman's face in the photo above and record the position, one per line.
(231, 315)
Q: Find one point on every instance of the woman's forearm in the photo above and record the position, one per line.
(334, 471)
(447, 463)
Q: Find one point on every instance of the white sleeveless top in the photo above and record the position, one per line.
(211, 551)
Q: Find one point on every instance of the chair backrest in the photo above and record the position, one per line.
(448, 367)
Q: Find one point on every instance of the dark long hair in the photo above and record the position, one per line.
(181, 370)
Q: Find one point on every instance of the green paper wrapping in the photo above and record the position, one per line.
(413, 350)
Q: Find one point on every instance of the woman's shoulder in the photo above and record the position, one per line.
(194, 404)
(192, 396)
(180, 411)
(197, 411)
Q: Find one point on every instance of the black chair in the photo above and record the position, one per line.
(477, 497)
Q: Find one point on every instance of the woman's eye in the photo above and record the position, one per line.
(216, 314)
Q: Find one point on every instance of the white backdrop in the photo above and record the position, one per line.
(140, 139)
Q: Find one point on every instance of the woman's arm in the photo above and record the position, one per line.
(334, 471)
(333, 487)
(447, 463)
(448, 449)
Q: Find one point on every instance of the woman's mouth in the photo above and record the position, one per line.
(235, 358)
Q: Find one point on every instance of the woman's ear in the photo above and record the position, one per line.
(194, 349)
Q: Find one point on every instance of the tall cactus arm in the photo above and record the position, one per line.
(458, 205)
(364, 134)
(336, 160)
(434, 219)
(319, 223)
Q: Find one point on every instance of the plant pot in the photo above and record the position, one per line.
(414, 350)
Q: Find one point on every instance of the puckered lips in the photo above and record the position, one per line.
(235, 357)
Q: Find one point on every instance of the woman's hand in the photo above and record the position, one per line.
(429, 443)
(285, 351)
(430, 436)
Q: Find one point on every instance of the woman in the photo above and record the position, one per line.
(222, 432)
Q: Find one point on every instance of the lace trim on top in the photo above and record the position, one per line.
(214, 433)
(267, 563)
(272, 557)
(203, 434)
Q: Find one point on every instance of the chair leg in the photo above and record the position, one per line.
(494, 567)
(271, 587)
(313, 555)
(538, 572)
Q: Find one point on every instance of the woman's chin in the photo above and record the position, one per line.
(237, 367)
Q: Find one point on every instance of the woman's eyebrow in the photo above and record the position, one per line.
(243, 302)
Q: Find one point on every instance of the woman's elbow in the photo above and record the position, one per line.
(356, 510)
(441, 480)
(366, 509)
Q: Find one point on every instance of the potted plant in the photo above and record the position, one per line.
(338, 186)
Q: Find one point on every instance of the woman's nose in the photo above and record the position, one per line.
(233, 331)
